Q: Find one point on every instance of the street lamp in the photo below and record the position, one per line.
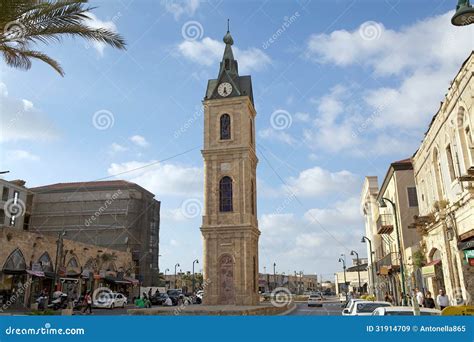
(464, 14)
(344, 268)
(274, 275)
(365, 238)
(400, 256)
(197, 262)
(175, 266)
(358, 269)
(167, 270)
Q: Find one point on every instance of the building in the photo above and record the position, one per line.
(388, 214)
(229, 224)
(31, 262)
(444, 174)
(298, 283)
(15, 204)
(115, 214)
(348, 281)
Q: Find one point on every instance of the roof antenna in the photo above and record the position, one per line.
(228, 20)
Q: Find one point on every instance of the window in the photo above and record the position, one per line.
(2, 217)
(412, 198)
(12, 220)
(449, 156)
(252, 197)
(46, 263)
(251, 131)
(225, 127)
(5, 194)
(225, 194)
(227, 64)
(15, 262)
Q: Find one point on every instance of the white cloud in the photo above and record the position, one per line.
(115, 148)
(316, 182)
(21, 120)
(424, 57)
(21, 155)
(208, 52)
(181, 7)
(302, 117)
(139, 140)
(96, 23)
(277, 135)
(162, 178)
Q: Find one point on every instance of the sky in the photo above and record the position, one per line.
(341, 88)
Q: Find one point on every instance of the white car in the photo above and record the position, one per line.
(349, 305)
(111, 301)
(404, 311)
(363, 308)
(315, 300)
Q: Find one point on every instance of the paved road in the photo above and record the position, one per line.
(329, 308)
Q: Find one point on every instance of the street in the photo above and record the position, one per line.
(331, 307)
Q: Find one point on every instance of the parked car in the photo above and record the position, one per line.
(349, 304)
(363, 308)
(114, 300)
(158, 298)
(315, 300)
(404, 311)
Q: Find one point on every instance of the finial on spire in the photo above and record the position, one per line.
(228, 38)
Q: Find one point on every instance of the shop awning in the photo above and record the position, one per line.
(35, 273)
(429, 270)
(117, 281)
(131, 280)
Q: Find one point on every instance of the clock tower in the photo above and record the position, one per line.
(229, 224)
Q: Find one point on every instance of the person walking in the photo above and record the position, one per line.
(388, 298)
(419, 296)
(87, 303)
(442, 299)
(429, 301)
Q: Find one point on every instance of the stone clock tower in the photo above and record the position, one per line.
(229, 224)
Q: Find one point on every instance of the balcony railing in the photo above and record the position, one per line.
(385, 224)
(388, 263)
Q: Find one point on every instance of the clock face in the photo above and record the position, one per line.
(224, 89)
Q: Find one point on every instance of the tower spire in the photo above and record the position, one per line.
(228, 29)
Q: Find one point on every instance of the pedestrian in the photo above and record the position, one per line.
(419, 296)
(149, 293)
(429, 301)
(442, 299)
(388, 298)
(87, 303)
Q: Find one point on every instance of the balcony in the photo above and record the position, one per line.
(385, 224)
(387, 264)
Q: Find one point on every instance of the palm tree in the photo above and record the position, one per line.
(27, 22)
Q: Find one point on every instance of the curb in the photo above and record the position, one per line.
(290, 310)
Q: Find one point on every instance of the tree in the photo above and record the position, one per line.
(24, 23)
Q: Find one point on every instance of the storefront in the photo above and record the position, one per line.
(13, 280)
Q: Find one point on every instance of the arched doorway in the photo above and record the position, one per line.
(226, 280)
(434, 271)
(13, 279)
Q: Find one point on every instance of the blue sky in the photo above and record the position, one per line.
(341, 88)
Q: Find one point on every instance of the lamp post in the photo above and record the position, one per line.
(197, 262)
(167, 270)
(464, 14)
(175, 266)
(358, 269)
(400, 255)
(59, 252)
(274, 275)
(344, 268)
(365, 238)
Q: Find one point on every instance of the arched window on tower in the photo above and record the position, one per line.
(252, 197)
(251, 132)
(225, 126)
(225, 194)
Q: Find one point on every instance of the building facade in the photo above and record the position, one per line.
(444, 174)
(229, 225)
(32, 262)
(15, 204)
(115, 214)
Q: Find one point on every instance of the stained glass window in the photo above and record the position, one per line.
(225, 127)
(225, 194)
